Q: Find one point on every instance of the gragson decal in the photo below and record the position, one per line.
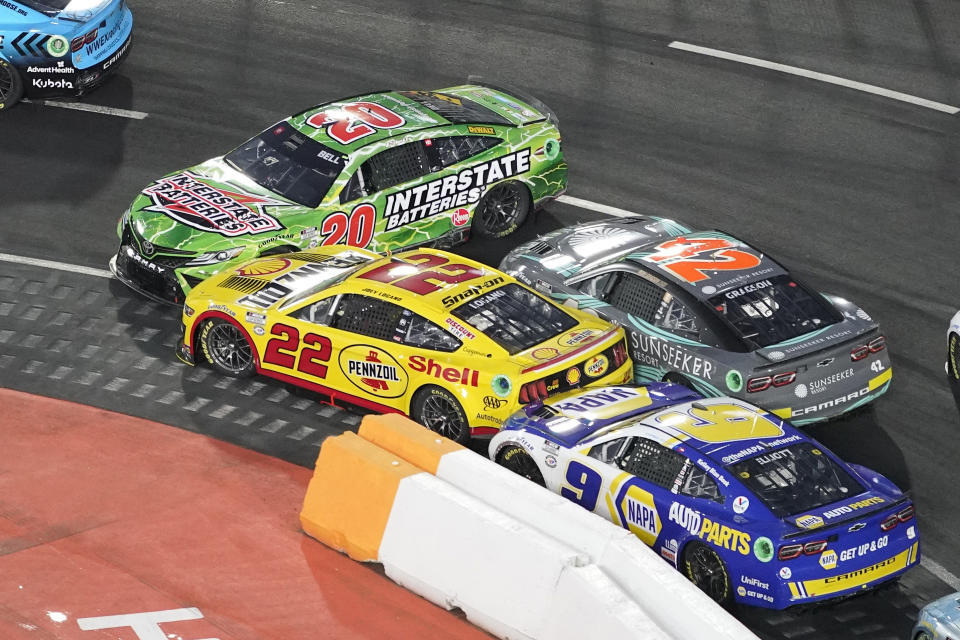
(374, 371)
(442, 194)
(230, 213)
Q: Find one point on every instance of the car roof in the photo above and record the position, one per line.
(416, 117)
(657, 245)
(409, 281)
(723, 429)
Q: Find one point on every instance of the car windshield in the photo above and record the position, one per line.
(327, 273)
(455, 109)
(515, 318)
(770, 311)
(796, 478)
(48, 7)
(288, 163)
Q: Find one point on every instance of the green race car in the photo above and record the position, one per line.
(381, 171)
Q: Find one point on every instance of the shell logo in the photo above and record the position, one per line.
(545, 353)
(596, 366)
(573, 375)
(264, 267)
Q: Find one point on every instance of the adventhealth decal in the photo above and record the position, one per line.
(466, 187)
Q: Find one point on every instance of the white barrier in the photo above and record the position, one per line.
(668, 597)
(521, 562)
(508, 577)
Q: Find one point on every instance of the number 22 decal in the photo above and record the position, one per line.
(440, 269)
(687, 260)
(585, 485)
(282, 351)
(355, 120)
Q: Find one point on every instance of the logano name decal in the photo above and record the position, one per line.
(230, 213)
(466, 187)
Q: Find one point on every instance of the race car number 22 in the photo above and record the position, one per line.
(428, 267)
(282, 351)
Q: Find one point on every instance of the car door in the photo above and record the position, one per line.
(627, 480)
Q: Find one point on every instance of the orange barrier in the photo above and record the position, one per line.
(402, 436)
(351, 493)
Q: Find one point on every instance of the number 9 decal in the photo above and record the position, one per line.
(585, 484)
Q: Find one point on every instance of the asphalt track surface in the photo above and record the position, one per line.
(857, 193)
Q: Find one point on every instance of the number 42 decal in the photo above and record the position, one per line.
(688, 259)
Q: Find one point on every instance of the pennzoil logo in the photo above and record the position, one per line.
(596, 366)
(186, 199)
(374, 371)
(577, 336)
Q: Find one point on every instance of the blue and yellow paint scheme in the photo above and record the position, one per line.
(672, 467)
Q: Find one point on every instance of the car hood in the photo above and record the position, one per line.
(209, 206)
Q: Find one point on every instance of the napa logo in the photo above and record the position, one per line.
(828, 559)
(809, 522)
(638, 512)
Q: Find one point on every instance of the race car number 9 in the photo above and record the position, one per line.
(356, 120)
(282, 351)
(687, 259)
(585, 484)
(438, 269)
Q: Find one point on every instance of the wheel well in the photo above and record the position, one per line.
(284, 248)
(678, 378)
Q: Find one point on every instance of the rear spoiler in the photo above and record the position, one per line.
(858, 515)
(534, 102)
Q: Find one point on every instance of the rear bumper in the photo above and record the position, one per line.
(53, 80)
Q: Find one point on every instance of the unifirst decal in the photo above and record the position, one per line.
(230, 213)
(442, 194)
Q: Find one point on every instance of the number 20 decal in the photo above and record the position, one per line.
(281, 351)
(357, 229)
(355, 120)
(585, 484)
(686, 260)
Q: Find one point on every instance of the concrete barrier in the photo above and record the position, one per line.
(520, 561)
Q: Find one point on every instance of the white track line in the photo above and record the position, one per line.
(596, 206)
(815, 75)
(50, 264)
(928, 563)
(940, 571)
(93, 108)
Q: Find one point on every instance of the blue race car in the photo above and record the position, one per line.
(746, 506)
(60, 47)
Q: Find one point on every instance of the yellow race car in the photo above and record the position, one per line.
(454, 344)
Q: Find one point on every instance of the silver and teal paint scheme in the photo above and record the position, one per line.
(60, 47)
(939, 620)
(672, 288)
(383, 171)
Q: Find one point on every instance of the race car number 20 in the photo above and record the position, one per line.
(282, 351)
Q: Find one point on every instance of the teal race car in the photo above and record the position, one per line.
(382, 171)
(60, 47)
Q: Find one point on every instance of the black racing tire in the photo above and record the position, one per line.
(953, 358)
(11, 85)
(226, 348)
(519, 461)
(502, 210)
(704, 568)
(923, 635)
(438, 410)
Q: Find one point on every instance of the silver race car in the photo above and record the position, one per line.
(708, 311)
